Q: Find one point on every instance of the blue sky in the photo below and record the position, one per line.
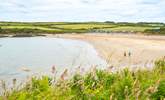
(83, 10)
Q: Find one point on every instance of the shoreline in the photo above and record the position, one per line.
(144, 50)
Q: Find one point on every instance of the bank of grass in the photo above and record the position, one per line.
(97, 85)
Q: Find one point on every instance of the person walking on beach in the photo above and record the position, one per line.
(129, 54)
(125, 54)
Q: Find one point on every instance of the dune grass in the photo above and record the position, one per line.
(97, 85)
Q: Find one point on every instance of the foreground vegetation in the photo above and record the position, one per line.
(97, 85)
(36, 28)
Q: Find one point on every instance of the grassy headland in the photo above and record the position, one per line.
(80, 27)
(97, 85)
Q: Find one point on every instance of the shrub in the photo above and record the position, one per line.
(160, 93)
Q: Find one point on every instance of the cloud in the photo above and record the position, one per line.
(82, 10)
(150, 1)
(90, 1)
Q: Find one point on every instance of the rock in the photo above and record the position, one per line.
(25, 69)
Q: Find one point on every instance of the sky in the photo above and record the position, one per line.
(82, 10)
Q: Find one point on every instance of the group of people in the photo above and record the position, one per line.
(127, 54)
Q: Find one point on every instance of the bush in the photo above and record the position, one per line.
(160, 93)
(0, 29)
(160, 64)
(156, 31)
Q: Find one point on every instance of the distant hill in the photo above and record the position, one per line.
(80, 27)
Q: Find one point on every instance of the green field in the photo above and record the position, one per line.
(127, 29)
(86, 27)
(96, 85)
(83, 26)
(29, 27)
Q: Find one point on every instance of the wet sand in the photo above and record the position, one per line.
(137, 51)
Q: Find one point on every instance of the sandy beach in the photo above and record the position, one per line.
(137, 51)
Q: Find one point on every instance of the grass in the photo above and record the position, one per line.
(29, 27)
(97, 85)
(77, 27)
(127, 29)
(83, 26)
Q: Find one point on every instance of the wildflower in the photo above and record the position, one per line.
(53, 69)
(64, 74)
(14, 81)
(111, 96)
(3, 85)
(78, 70)
(126, 92)
(109, 69)
(151, 90)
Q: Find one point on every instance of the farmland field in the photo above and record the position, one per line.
(83, 26)
(128, 29)
(86, 27)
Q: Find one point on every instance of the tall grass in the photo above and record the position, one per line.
(97, 85)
